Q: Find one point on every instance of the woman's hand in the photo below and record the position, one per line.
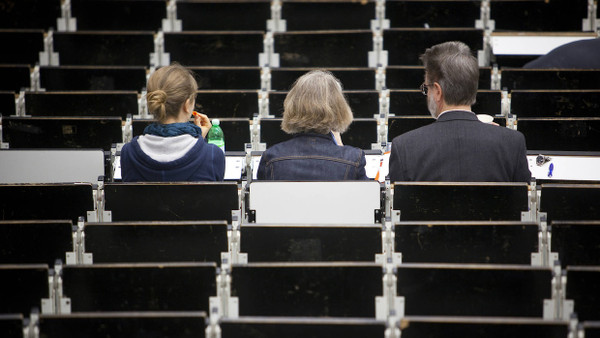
(203, 122)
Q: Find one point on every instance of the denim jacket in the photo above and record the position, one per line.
(312, 157)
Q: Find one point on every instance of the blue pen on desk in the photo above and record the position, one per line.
(550, 169)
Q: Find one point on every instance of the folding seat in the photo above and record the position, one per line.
(460, 201)
(223, 15)
(14, 77)
(93, 78)
(122, 15)
(31, 242)
(118, 324)
(62, 132)
(82, 104)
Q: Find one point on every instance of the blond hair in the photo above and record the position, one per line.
(169, 88)
(316, 104)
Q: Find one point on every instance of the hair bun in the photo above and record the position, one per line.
(157, 97)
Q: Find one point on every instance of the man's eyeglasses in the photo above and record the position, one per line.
(425, 88)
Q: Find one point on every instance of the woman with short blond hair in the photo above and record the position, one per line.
(315, 113)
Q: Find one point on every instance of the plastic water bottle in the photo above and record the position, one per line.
(215, 135)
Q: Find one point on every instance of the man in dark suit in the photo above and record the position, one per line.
(581, 54)
(457, 147)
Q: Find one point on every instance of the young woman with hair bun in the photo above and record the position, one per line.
(172, 149)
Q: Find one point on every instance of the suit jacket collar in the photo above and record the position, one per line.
(457, 115)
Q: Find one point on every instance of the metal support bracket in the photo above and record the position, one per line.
(276, 24)
(591, 22)
(142, 106)
(66, 23)
(268, 58)
(558, 308)
(159, 57)
(485, 22)
(48, 57)
(56, 303)
(3, 145)
(378, 57)
(380, 23)
(234, 256)
(223, 305)
(171, 24)
(389, 305)
(263, 104)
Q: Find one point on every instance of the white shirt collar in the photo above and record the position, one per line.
(445, 111)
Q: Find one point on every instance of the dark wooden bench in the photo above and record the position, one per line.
(303, 243)
(576, 242)
(11, 325)
(555, 103)
(411, 77)
(190, 201)
(224, 15)
(462, 13)
(7, 103)
(364, 103)
(93, 78)
(82, 103)
(307, 289)
(538, 15)
(564, 202)
(405, 45)
(361, 133)
(104, 48)
(327, 15)
(124, 324)
(32, 242)
(341, 48)
(583, 288)
(38, 14)
(565, 79)
(273, 327)
(591, 329)
(139, 287)
(25, 46)
(561, 133)
(473, 290)
(131, 242)
(132, 15)
(460, 201)
(14, 78)
(434, 326)
(227, 103)
(466, 242)
(282, 79)
(62, 132)
(227, 78)
(46, 201)
(413, 102)
(219, 48)
(23, 288)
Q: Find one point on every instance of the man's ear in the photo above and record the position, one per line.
(437, 92)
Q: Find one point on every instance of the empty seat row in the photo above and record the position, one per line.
(351, 289)
(529, 15)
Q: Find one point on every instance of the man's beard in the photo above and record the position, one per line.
(432, 106)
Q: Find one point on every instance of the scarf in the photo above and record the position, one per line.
(173, 129)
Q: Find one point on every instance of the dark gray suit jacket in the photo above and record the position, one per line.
(459, 148)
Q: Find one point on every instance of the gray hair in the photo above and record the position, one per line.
(316, 104)
(453, 66)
